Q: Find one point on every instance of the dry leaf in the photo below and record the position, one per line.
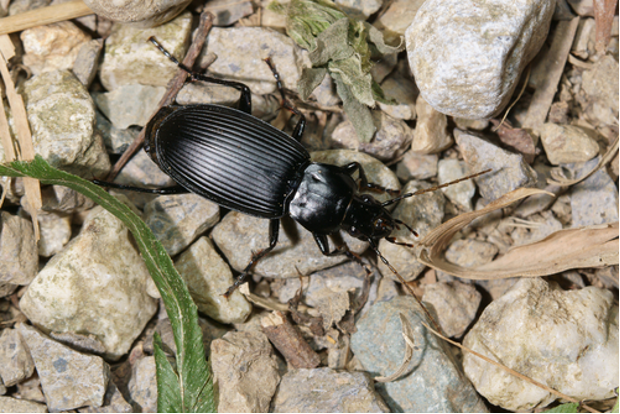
(409, 347)
(592, 246)
(516, 138)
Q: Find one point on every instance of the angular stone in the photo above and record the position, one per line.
(18, 250)
(431, 133)
(578, 353)
(470, 252)
(594, 200)
(456, 304)
(55, 231)
(16, 364)
(16, 405)
(143, 385)
(228, 12)
(417, 166)
(130, 105)
(467, 57)
(568, 143)
(600, 85)
(461, 193)
(404, 92)
(398, 17)
(87, 61)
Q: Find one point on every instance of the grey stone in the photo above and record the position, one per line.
(404, 92)
(16, 405)
(398, 17)
(469, 67)
(456, 304)
(130, 58)
(325, 93)
(62, 200)
(578, 354)
(509, 170)
(96, 285)
(594, 200)
(69, 379)
(581, 47)
(359, 9)
(143, 14)
(16, 364)
(143, 384)
(62, 117)
(431, 131)
(177, 220)
(461, 193)
(18, 250)
(568, 143)
(384, 67)
(30, 389)
(20, 6)
(475, 124)
(470, 253)
(116, 140)
(422, 213)
(130, 105)
(113, 402)
(600, 84)
(52, 47)
(245, 371)
(439, 384)
(55, 232)
(240, 52)
(228, 12)
(87, 61)
(324, 390)
(417, 166)
(208, 277)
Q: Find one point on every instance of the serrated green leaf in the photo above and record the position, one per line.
(306, 19)
(308, 81)
(332, 44)
(564, 408)
(168, 390)
(358, 81)
(277, 7)
(359, 114)
(194, 383)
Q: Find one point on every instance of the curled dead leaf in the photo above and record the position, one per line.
(409, 347)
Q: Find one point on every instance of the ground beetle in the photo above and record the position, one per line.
(245, 164)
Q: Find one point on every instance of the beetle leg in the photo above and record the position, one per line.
(323, 243)
(161, 191)
(301, 124)
(245, 102)
(274, 229)
(364, 184)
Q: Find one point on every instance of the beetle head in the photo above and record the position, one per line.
(367, 219)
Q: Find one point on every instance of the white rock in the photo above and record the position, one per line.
(467, 56)
(431, 131)
(456, 304)
(566, 339)
(568, 143)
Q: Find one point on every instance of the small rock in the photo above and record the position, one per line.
(69, 379)
(30, 389)
(456, 305)
(444, 51)
(177, 220)
(422, 213)
(18, 250)
(324, 390)
(347, 277)
(144, 14)
(240, 52)
(568, 143)
(359, 9)
(96, 285)
(55, 231)
(52, 47)
(431, 133)
(116, 140)
(130, 105)
(562, 209)
(438, 383)
(208, 277)
(228, 12)
(417, 166)
(245, 371)
(87, 61)
(113, 402)
(580, 332)
(582, 7)
(62, 200)
(384, 67)
(17, 405)
(470, 253)
(475, 124)
(143, 384)
(15, 361)
(461, 193)
(62, 117)
(397, 18)
(594, 200)
(130, 58)
(208, 93)
(600, 85)
(509, 170)
(582, 38)
(404, 92)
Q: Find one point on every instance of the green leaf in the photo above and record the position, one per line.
(277, 7)
(379, 96)
(376, 37)
(359, 114)
(307, 18)
(168, 391)
(195, 386)
(332, 44)
(564, 408)
(352, 74)
(308, 81)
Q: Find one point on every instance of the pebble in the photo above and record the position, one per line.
(208, 277)
(30, 389)
(470, 252)
(55, 231)
(96, 285)
(17, 405)
(325, 93)
(245, 371)
(391, 139)
(600, 84)
(18, 250)
(143, 384)
(228, 12)
(144, 14)
(384, 67)
(404, 92)
(240, 52)
(359, 9)
(475, 124)
(16, 364)
(116, 140)
(431, 131)
(87, 61)
(510, 171)
(417, 166)
(131, 59)
(594, 200)
(455, 303)
(113, 402)
(565, 338)
(129, 105)
(422, 213)
(65, 139)
(62, 200)
(438, 383)
(580, 47)
(177, 220)
(568, 143)
(469, 67)
(397, 18)
(52, 47)
(461, 193)
(324, 390)
(69, 379)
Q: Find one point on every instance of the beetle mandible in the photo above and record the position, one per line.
(245, 164)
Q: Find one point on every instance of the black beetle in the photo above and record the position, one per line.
(245, 164)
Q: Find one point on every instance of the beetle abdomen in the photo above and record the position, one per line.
(229, 157)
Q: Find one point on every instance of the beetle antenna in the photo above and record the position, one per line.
(169, 55)
(415, 233)
(435, 188)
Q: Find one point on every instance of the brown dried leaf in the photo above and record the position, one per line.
(592, 246)
(516, 138)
